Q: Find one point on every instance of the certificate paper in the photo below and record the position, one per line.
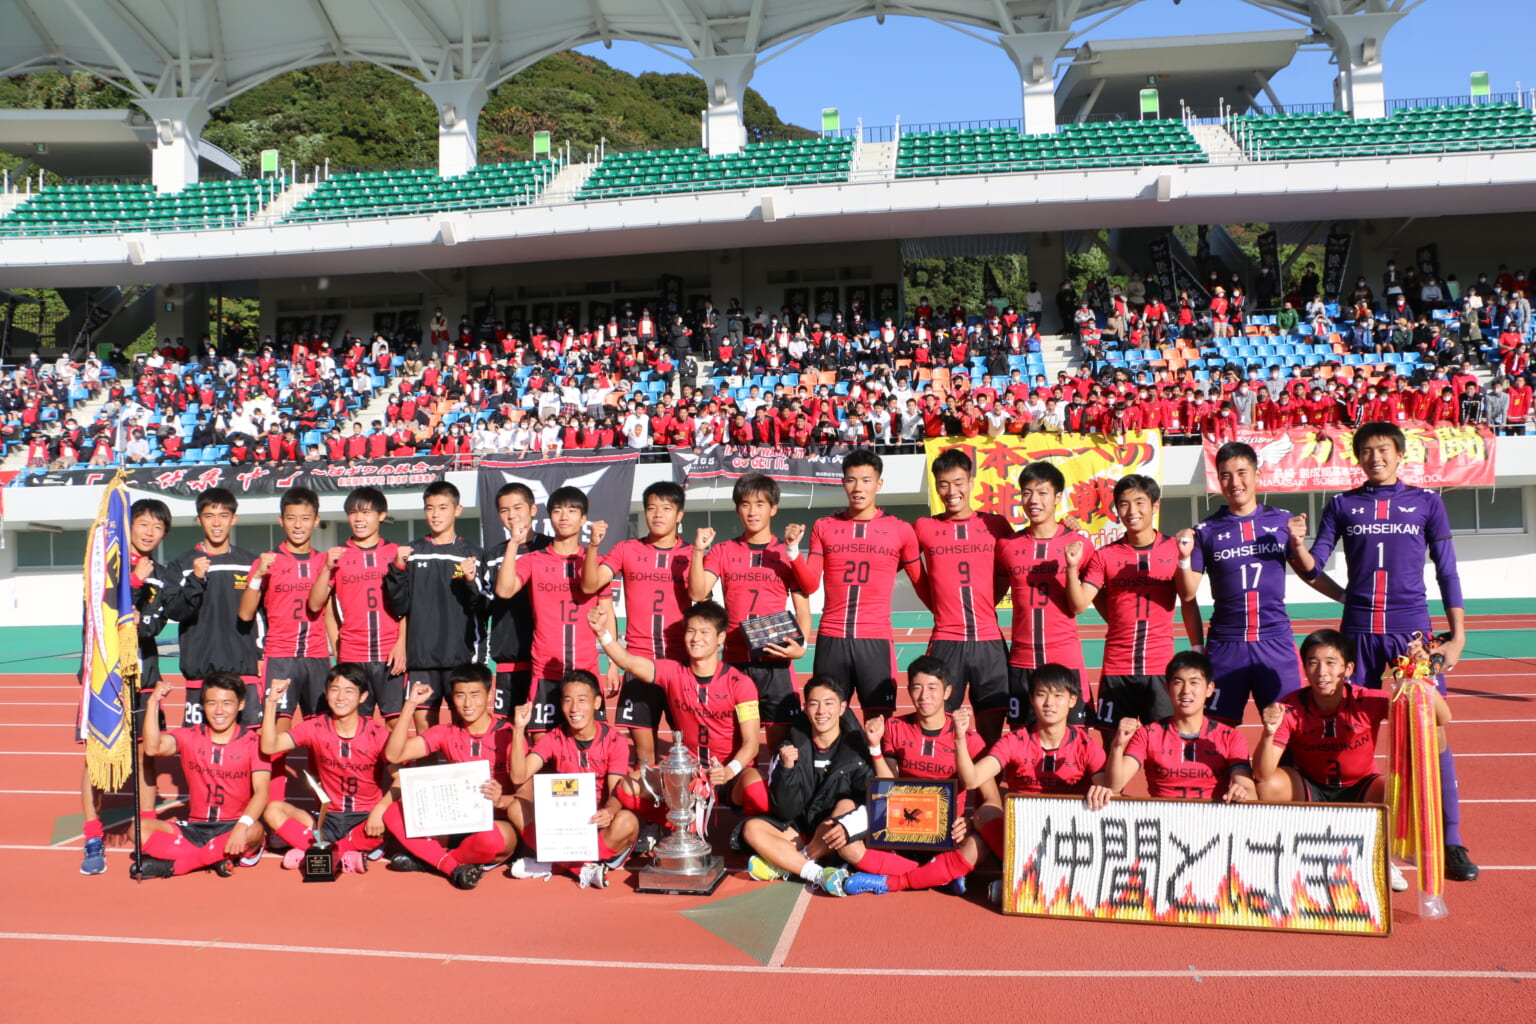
(563, 806)
(445, 799)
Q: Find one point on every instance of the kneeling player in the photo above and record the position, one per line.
(819, 778)
(924, 745)
(476, 734)
(1185, 756)
(227, 779)
(581, 744)
(347, 752)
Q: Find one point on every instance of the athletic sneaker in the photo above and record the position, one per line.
(293, 859)
(223, 868)
(1395, 878)
(250, 860)
(995, 892)
(404, 861)
(955, 886)
(1458, 865)
(377, 853)
(863, 882)
(466, 876)
(527, 867)
(765, 872)
(352, 863)
(593, 875)
(650, 835)
(95, 860)
(152, 867)
(832, 881)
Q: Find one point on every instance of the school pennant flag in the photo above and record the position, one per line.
(109, 663)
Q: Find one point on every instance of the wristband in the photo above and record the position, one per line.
(1186, 563)
(876, 753)
(247, 820)
(793, 552)
(605, 638)
(735, 767)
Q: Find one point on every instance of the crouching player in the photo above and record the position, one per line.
(924, 745)
(227, 779)
(1186, 756)
(1330, 730)
(476, 734)
(817, 785)
(347, 752)
(581, 744)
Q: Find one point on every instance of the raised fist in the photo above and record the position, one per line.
(1273, 716)
(200, 566)
(333, 557)
(275, 690)
(598, 619)
(703, 537)
(142, 570)
(420, 694)
(962, 721)
(402, 556)
(264, 563)
(469, 567)
(1186, 541)
(874, 730)
(789, 754)
(1074, 553)
(522, 715)
(1126, 729)
(1297, 526)
(519, 532)
(599, 531)
(794, 533)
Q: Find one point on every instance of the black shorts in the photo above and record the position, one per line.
(512, 685)
(981, 666)
(1143, 697)
(869, 666)
(1021, 713)
(546, 706)
(393, 702)
(201, 833)
(1322, 793)
(381, 683)
(339, 823)
(777, 700)
(641, 704)
(306, 687)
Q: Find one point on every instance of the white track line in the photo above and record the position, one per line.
(791, 928)
(651, 965)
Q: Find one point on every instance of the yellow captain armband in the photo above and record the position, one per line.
(746, 711)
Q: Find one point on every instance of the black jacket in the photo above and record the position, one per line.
(805, 797)
(212, 636)
(447, 620)
(511, 633)
(149, 602)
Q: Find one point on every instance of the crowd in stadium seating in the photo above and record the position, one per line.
(810, 381)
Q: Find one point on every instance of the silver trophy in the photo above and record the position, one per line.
(683, 863)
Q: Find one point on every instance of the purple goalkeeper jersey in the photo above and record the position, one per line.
(1386, 532)
(1245, 557)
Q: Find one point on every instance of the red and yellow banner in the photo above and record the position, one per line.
(1322, 458)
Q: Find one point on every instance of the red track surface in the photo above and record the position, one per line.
(408, 947)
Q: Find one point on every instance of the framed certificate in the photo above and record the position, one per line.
(445, 799)
(912, 814)
(563, 806)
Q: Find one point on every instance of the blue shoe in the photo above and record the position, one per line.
(955, 886)
(861, 882)
(95, 861)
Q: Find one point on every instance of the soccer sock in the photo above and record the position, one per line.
(479, 848)
(604, 851)
(995, 835)
(194, 857)
(755, 800)
(93, 829)
(884, 862)
(425, 848)
(1450, 798)
(296, 835)
(811, 872)
(164, 845)
(358, 841)
(946, 867)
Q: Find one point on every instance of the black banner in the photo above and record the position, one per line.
(1335, 262)
(1176, 277)
(260, 479)
(607, 480)
(1269, 251)
(734, 461)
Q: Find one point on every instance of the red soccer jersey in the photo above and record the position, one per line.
(367, 629)
(1044, 628)
(1337, 749)
(293, 631)
(960, 560)
(919, 754)
(655, 595)
(1136, 597)
(605, 754)
(347, 767)
(218, 774)
(1188, 769)
(562, 637)
(457, 745)
(1030, 768)
(755, 579)
(858, 560)
(709, 713)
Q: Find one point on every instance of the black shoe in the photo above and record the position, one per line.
(224, 868)
(466, 876)
(403, 861)
(152, 867)
(1458, 865)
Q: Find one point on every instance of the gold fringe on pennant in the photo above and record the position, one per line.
(108, 767)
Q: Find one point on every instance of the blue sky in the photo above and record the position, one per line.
(926, 72)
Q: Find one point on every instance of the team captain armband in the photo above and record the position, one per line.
(746, 711)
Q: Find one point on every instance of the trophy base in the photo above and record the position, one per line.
(675, 883)
(319, 865)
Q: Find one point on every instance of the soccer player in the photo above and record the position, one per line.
(511, 631)
(432, 585)
(203, 591)
(297, 645)
(227, 780)
(711, 705)
(475, 734)
(148, 521)
(1387, 529)
(820, 775)
(858, 551)
(352, 581)
(581, 744)
(1186, 756)
(959, 548)
(922, 745)
(654, 570)
(1034, 564)
(755, 579)
(1243, 547)
(562, 638)
(1132, 581)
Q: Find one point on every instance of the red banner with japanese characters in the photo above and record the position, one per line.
(1322, 458)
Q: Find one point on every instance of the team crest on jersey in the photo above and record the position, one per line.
(241, 579)
(1407, 508)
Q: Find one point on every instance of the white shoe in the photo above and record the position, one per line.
(593, 875)
(1395, 878)
(650, 836)
(527, 867)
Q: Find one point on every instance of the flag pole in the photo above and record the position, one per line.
(134, 784)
